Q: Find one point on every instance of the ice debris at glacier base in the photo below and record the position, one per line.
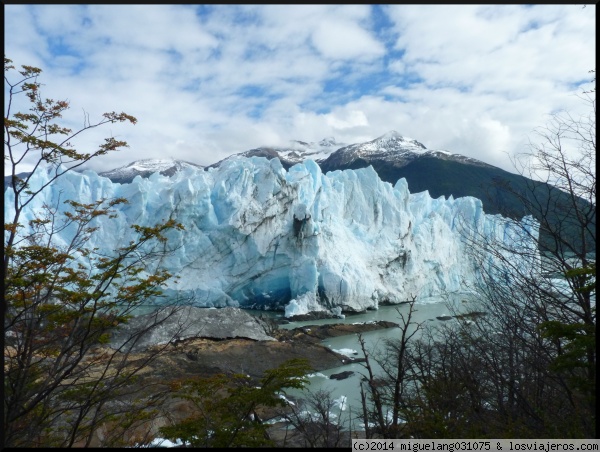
(258, 236)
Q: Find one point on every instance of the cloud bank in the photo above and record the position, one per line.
(206, 81)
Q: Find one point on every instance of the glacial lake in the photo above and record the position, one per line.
(349, 388)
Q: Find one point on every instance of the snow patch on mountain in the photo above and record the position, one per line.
(296, 152)
(146, 167)
(300, 151)
(390, 142)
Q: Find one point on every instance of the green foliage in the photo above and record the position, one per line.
(577, 340)
(584, 277)
(225, 407)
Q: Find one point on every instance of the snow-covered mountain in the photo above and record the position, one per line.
(258, 235)
(391, 148)
(296, 152)
(392, 145)
(147, 167)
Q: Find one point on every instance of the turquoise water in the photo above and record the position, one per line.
(350, 387)
(425, 311)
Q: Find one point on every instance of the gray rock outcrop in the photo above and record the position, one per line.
(183, 322)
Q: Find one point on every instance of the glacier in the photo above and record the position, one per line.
(259, 236)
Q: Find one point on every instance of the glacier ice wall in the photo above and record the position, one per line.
(259, 236)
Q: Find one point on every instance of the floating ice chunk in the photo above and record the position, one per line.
(162, 442)
(317, 374)
(341, 402)
(346, 352)
(284, 398)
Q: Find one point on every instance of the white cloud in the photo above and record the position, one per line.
(152, 27)
(493, 45)
(349, 119)
(339, 40)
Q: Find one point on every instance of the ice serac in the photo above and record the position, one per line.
(258, 236)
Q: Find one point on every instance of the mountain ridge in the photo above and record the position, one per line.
(392, 148)
(297, 152)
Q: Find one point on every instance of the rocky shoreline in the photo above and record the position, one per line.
(205, 356)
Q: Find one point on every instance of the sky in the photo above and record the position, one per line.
(208, 81)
